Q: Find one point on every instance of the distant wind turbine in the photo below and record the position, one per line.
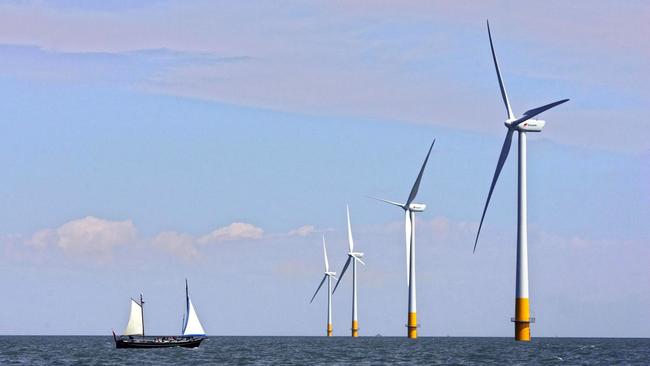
(352, 257)
(410, 209)
(327, 276)
(523, 124)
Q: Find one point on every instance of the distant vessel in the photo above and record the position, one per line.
(134, 337)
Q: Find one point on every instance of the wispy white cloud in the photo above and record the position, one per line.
(124, 69)
(232, 232)
(90, 237)
(421, 63)
(181, 245)
(42, 238)
(304, 230)
(189, 248)
(94, 236)
(97, 240)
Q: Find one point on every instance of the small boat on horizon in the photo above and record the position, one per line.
(134, 337)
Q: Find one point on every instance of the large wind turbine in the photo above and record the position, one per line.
(410, 209)
(523, 124)
(327, 276)
(352, 257)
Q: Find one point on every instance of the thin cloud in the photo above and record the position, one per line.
(88, 237)
(232, 232)
(181, 245)
(391, 61)
(97, 239)
(303, 231)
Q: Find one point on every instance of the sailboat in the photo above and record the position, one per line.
(191, 336)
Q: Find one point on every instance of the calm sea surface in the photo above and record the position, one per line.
(59, 350)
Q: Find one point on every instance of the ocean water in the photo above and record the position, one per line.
(100, 350)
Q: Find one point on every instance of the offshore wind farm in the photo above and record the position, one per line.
(261, 151)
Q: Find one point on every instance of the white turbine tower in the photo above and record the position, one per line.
(327, 276)
(523, 124)
(410, 209)
(352, 257)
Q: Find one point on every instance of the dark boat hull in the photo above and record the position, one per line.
(191, 342)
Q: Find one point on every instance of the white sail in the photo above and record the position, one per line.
(134, 326)
(192, 324)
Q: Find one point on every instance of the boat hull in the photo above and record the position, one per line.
(159, 342)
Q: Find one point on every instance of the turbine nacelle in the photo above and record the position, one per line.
(331, 274)
(531, 125)
(417, 207)
(356, 254)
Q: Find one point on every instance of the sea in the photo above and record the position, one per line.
(100, 350)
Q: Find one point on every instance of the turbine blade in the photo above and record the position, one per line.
(407, 229)
(350, 241)
(535, 111)
(360, 261)
(504, 95)
(319, 286)
(505, 149)
(347, 263)
(400, 205)
(416, 185)
(327, 265)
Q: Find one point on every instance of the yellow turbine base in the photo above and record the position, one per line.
(522, 320)
(355, 328)
(329, 330)
(413, 325)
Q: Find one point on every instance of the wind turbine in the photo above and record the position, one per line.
(327, 276)
(352, 257)
(410, 209)
(523, 124)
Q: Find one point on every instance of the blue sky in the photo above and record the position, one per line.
(216, 141)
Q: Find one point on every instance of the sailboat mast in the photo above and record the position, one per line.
(142, 313)
(187, 302)
(186, 316)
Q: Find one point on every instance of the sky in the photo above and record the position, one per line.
(145, 143)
